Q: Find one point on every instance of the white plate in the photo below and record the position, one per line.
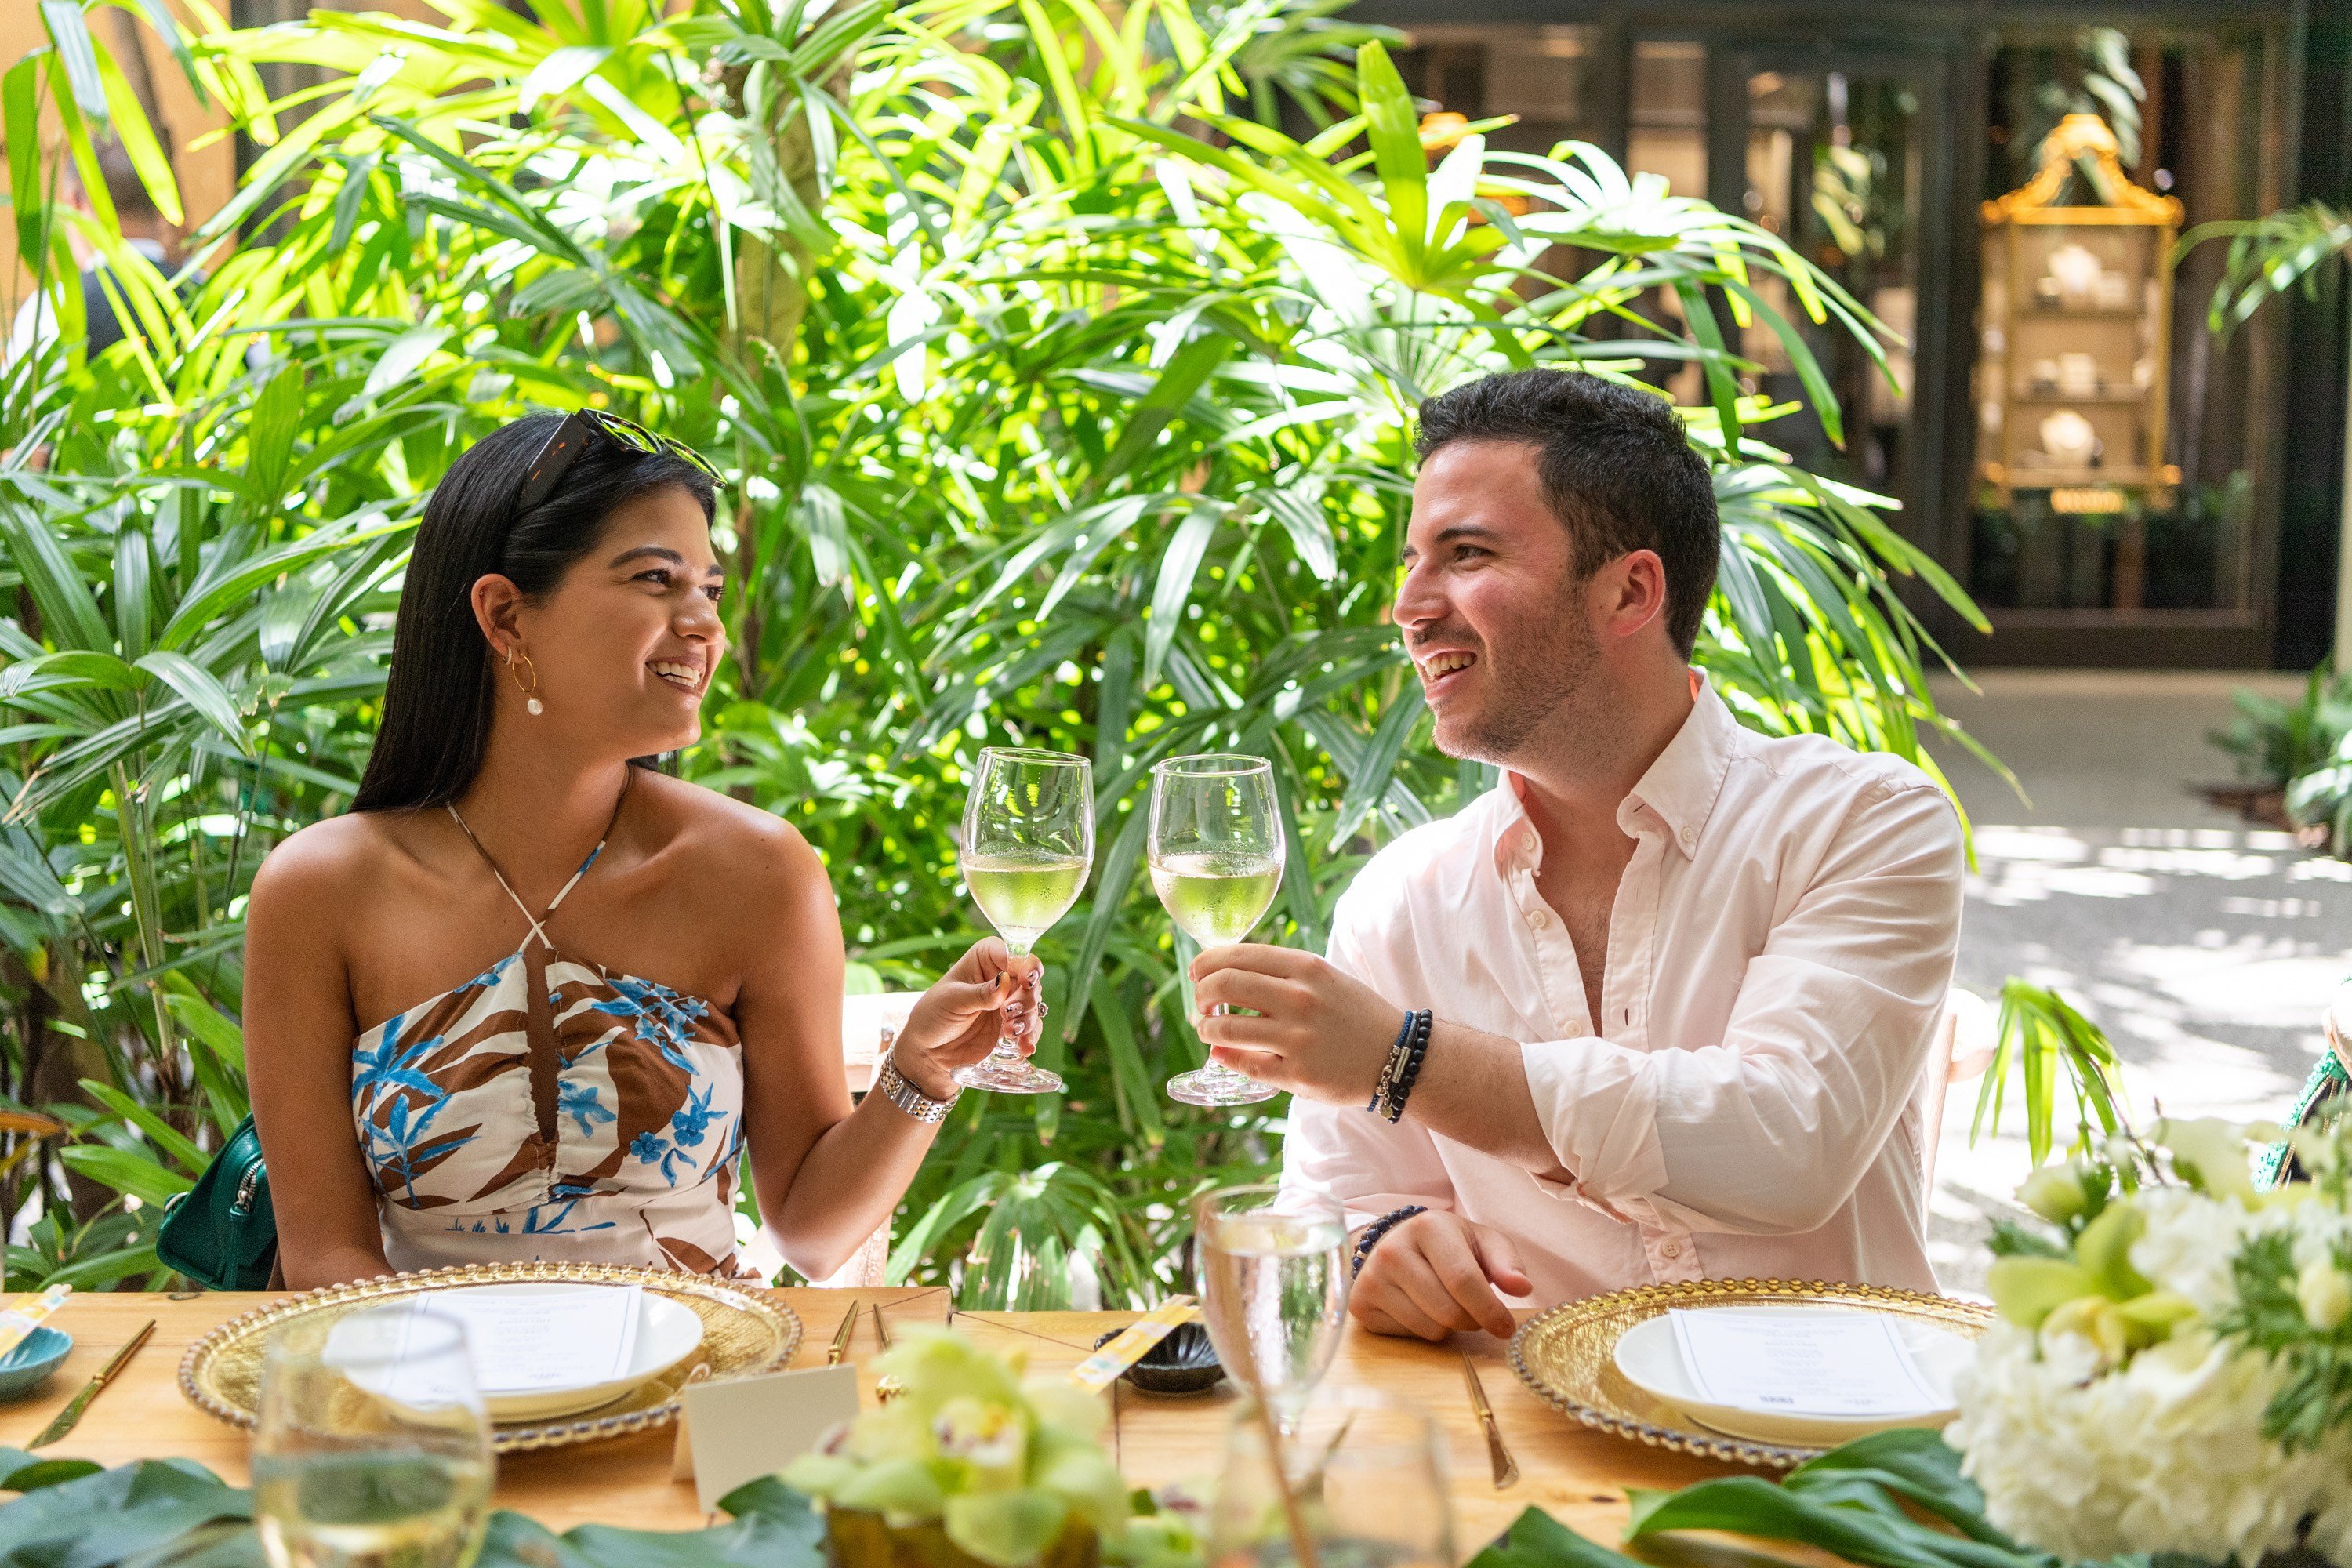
(1652, 1361)
(667, 1333)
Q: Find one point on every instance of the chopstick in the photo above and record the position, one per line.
(841, 1336)
(1498, 1455)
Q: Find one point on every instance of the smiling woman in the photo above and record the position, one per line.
(551, 991)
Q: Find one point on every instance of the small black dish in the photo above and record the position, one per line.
(1182, 1362)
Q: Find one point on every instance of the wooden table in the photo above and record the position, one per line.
(1577, 1475)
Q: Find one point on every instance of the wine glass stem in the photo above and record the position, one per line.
(1008, 1050)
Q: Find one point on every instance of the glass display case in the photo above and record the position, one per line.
(2076, 358)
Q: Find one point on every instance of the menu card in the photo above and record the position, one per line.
(531, 1341)
(1827, 1362)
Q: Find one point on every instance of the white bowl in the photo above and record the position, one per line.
(1650, 1358)
(668, 1333)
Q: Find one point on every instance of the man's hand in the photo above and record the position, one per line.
(1436, 1274)
(1317, 1032)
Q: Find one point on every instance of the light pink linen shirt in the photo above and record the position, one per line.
(1750, 1102)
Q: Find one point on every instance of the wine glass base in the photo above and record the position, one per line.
(1217, 1086)
(999, 1076)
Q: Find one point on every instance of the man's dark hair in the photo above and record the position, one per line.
(1615, 467)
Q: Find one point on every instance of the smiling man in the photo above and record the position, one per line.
(1680, 977)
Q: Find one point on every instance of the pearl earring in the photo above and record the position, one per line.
(530, 702)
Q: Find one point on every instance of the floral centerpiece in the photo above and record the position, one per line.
(2173, 1367)
(971, 1462)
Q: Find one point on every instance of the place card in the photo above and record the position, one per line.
(1825, 1363)
(737, 1431)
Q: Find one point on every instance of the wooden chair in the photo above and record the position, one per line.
(1962, 1046)
(868, 1024)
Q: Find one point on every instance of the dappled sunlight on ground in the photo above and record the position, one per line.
(2207, 954)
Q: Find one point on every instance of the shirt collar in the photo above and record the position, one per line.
(1680, 787)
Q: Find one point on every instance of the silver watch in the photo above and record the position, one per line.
(894, 1087)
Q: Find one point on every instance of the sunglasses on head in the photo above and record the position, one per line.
(572, 438)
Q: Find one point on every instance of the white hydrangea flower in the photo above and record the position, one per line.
(2188, 1244)
(2165, 1455)
(2318, 1230)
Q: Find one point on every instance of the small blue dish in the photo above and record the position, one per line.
(23, 1369)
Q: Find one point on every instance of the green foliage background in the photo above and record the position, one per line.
(1063, 397)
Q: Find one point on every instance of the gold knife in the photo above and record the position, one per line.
(81, 1402)
(1506, 1469)
(841, 1336)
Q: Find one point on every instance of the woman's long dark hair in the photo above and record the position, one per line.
(437, 702)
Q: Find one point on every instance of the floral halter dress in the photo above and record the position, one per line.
(550, 1110)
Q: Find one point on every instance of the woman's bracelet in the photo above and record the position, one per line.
(1379, 1228)
(1404, 1070)
(895, 1087)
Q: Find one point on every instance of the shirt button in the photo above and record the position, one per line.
(1672, 1249)
(1690, 835)
(1538, 920)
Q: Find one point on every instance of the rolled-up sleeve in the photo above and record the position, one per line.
(1769, 1131)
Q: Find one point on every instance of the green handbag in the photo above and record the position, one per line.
(221, 1233)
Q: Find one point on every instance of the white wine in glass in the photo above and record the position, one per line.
(1215, 851)
(1028, 841)
(373, 1449)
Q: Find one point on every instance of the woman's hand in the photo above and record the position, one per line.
(989, 994)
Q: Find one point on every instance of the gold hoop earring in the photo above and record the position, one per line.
(530, 702)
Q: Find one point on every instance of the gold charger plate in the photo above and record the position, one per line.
(1567, 1355)
(744, 1332)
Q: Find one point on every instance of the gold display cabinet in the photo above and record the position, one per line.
(2077, 342)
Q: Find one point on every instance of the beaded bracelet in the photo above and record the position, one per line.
(1379, 1228)
(1418, 1026)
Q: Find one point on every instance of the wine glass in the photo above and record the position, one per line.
(372, 1448)
(1367, 1488)
(1028, 840)
(1274, 1287)
(1216, 863)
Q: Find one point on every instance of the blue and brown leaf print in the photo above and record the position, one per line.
(581, 1102)
(663, 1016)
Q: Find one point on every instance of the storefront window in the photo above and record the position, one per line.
(1832, 166)
(2154, 501)
(1543, 75)
(2119, 466)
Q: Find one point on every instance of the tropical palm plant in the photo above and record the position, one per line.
(1060, 396)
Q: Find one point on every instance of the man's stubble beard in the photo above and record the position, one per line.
(1550, 696)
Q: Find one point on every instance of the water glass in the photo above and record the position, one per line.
(1274, 1287)
(373, 1449)
(1368, 1484)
